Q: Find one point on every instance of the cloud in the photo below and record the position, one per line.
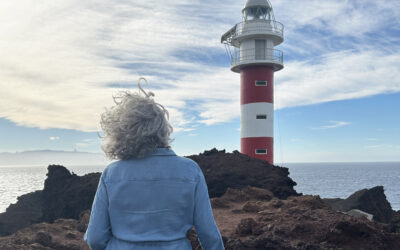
(337, 76)
(54, 138)
(333, 124)
(61, 62)
(88, 142)
(374, 146)
(385, 146)
(91, 140)
(341, 18)
(82, 144)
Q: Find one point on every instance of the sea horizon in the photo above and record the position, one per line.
(278, 164)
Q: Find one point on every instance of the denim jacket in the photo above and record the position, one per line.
(151, 203)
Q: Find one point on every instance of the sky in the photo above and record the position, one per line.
(337, 98)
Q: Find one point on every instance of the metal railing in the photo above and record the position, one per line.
(255, 26)
(250, 56)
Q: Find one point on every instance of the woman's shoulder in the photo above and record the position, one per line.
(176, 160)
(174, 164)
(187, 164)
(187, 161)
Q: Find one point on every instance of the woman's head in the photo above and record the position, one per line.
(134, 127)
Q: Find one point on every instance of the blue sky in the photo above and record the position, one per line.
(337, 99)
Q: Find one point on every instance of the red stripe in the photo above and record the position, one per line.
(249, 93)
(249, 146)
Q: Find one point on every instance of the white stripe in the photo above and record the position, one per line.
(252, 127)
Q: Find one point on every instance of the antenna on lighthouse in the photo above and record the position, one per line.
(251, 47)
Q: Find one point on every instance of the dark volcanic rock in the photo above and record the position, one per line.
(27, 211)
(65, 195)
(63, 234)
(372, 201)
(299, 222)
(235, 170)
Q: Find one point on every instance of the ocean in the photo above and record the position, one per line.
(328, 180)
(340, 180)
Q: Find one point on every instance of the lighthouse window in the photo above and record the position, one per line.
(261, 117)
(261, 83)
(260, 49)
(261, 151)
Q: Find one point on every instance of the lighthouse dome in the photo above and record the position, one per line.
(257, 9)
(257, 3)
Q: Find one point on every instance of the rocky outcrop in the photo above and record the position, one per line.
(372, 201)
(235, 170)
(64, 195)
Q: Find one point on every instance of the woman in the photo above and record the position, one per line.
(150, 197)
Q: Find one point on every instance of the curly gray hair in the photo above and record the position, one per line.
(134, 127)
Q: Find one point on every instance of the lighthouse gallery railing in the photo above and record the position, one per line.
(250, 56)
(253, 27)
(259, 26)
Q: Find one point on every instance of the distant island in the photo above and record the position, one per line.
(44, 157)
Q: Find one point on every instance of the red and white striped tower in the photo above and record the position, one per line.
(254, 57)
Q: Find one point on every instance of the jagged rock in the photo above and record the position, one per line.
(64, 195)
(235, 170)
(67, 195)
(372, 201)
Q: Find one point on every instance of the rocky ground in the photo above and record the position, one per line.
(254, 205)
(253, 218)
(61, 234)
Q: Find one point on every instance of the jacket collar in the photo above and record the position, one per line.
(163, 151)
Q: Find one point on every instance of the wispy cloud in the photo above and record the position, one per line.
(374, 146)
(81, 145)
(54, 138)
(385, 146)
(337, 76)
(88, 142)
(333, 124)
(91, 140)
(61, 62)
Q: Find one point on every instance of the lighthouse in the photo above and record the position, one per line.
(250, 45)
